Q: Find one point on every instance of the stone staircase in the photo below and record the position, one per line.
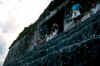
(64, 49)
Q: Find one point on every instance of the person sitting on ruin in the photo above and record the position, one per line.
(55, 28)
(47, 38)
(55, 32)
(95, 9)
(76, 11)
(52, 35)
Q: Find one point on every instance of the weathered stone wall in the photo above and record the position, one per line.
(84, 38)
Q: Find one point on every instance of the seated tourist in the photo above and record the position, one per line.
(48, 38)
(98, 7)
(95, 9)
(76, 14)
(55, 33)
(55, 28)
(51, 35)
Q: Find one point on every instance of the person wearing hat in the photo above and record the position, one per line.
(76, 14)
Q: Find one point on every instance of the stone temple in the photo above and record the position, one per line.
(77, 44)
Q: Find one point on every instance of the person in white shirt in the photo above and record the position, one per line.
(76, 11)
(52, 35)
(95, 8)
